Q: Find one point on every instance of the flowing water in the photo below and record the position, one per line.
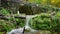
(27, 27)
(20, 30)
(28, 17)
(16, 31)
(18, 13)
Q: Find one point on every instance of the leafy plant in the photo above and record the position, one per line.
(43, 22)
(17, 22)
(5, 11)
(20, 21)
(7, 26)
(1, 33)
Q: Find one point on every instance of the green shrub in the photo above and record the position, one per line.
(6, 25)
(5, 11)
(20, 21)
(43, 22)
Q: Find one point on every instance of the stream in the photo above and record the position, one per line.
(20, 30)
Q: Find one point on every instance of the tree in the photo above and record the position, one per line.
(55, 3)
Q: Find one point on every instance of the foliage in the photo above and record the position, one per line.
(6, 26)
(55, 3)
(17, 21)
(46, 2)
(1, 33)
(20, 22)
(5, 11)
(43, 22)
(58, 23)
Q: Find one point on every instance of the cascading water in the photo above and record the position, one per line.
(28, 17)
(18, 12)
(20, 30)
(27, 21)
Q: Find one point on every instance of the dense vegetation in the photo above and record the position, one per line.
(9, 22)
(4, 11)
(6, 26)
(20, 22)
(46, 21)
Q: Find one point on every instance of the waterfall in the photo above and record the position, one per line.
(28, 17)
(27, 21)
(18, 12)
(20, 30)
